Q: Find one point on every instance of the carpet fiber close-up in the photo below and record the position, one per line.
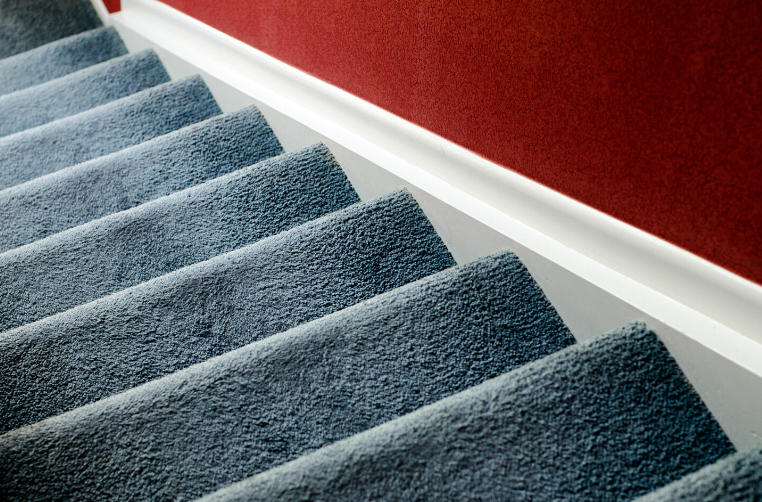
(85, 192)
(59, 58)
(105, 129)
(80, 91)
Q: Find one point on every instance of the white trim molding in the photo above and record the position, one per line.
(598, 272)
(100, 9)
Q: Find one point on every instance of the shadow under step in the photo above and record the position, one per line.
(737, 478)
(122, 180)
(269, 402)
(80, 91)
(610, 419)
(204, 310)
(103, 130)
(113, 253)
(31, 23)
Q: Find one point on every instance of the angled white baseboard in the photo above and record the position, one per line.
(102, 12)
(597, 271)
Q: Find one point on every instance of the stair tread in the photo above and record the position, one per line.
(737, 478)
(84, 192)
(60, 58)
(271, 401)
(79, 91)
(121, 250)
(610, 419)
(32, 23)
(185, 317)
(120, 124)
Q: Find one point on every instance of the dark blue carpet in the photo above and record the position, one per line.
(271, 401)
(80, 91)
(606, 420)
(153, 329)
(124, 249)
(125, 179)
(735, 479)
(26, 24)
(59, 58)
(120, 124)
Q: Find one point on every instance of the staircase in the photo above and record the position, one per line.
(188, 311)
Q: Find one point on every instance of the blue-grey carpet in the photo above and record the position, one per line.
(126, 248)
(185, 317)
(125, 179)
(274, 400)
(735, 479)
(80, 91)
(60, 58)
(103, 130)
(606, 420)
(26, 24)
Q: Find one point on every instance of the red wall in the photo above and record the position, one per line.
(648, 110)
(113, 5)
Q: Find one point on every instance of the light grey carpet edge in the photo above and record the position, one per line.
(371, 362)
(187, 316)
(80, 91)
(737, 478)
(125, 179)
(59, 58)
(118, 251)
(609, 419)
(28, 24)
(108, 128)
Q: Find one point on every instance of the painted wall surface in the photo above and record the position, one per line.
(113, 5)
(648, 110)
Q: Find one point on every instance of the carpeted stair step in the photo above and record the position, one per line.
(204, 310)
(59, 58)
(80, 91)
(103, 130)
(26, 24)
(78, 194)
(126, 248)
(274, 400)
(610, 419)
(737, 478)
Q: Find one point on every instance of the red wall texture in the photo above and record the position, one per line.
(113, 5)
(648, 110)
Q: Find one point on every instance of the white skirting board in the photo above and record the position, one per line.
(598, 272)
(102, 12)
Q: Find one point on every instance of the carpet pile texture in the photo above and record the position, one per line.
(85, 192)
(115, 252)
(120, 124)
(271, 401)
(80, 91)
(59, 58)
(604, 420)
(735, 479)
(26, 24)
(200, 311)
